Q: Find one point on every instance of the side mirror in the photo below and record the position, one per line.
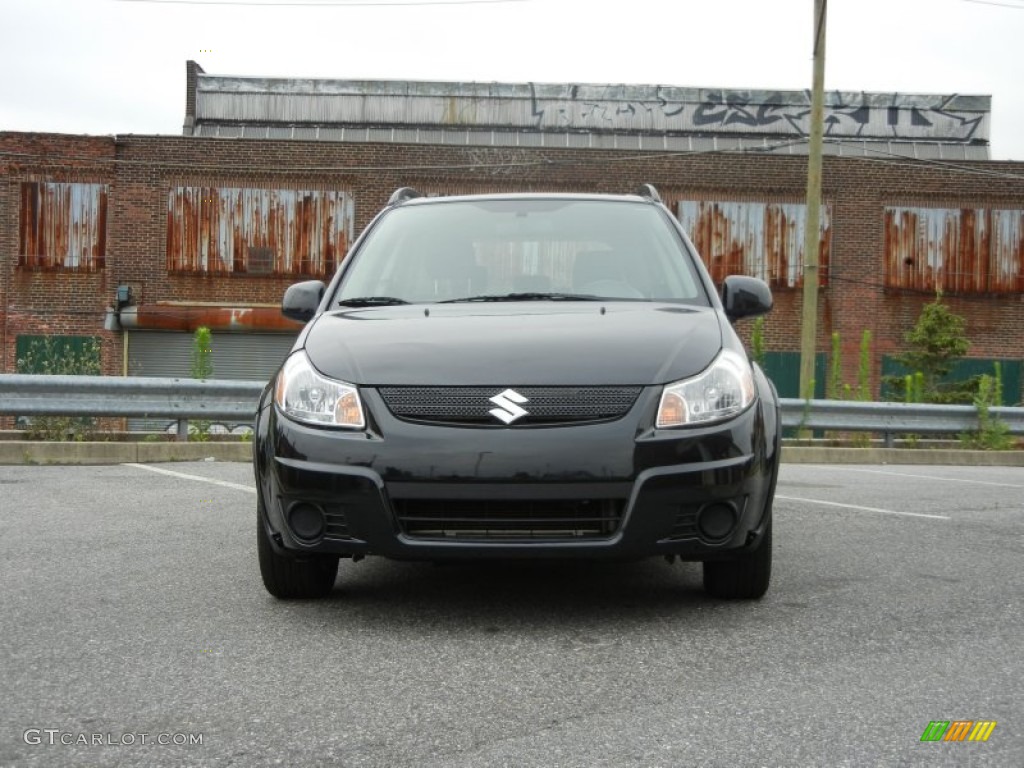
(301, 300)
(744, 296)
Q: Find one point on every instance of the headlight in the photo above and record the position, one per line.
(305, 395)
(724, 389)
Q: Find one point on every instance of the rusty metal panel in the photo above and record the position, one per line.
(765, 240)
(258, 231)
(63, 225)
(955, 250)
(1006, 251)
(189, 317)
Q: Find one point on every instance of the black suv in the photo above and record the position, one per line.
(518, 376)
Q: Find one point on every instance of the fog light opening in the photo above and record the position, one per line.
(716, 521)
(307, 522)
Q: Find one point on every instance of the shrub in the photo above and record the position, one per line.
(61, 356)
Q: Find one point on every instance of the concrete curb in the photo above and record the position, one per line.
(794, 454)
(32, 452)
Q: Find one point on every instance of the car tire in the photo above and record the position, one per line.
(289, 578)
(742, 578)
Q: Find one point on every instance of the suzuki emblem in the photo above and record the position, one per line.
(508, 409)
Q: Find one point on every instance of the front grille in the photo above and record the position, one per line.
(544, 405)
(533, 519)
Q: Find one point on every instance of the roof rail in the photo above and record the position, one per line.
(402, 194)
(648, 191)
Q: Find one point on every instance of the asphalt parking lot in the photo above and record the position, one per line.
(136, 632)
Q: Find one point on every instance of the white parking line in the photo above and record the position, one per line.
(251, 489)
(927, 477)
(864, 509)
(184, 476)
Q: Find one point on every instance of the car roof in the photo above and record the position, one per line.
(511, 196)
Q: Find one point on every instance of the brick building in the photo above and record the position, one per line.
(273, 179)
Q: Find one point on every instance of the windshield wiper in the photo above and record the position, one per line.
(531, 296)
(371, 301)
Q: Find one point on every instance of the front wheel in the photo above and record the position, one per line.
(289, 578)
(744, 577)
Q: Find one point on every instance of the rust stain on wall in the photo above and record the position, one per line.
(761, 239)
(956, 250)
(189, 318)
(257, 231)
(63, 225)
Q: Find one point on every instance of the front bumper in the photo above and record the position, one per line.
(614, 490)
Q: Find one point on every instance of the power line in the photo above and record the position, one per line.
(1001, 5)
(887, 158)
(945, 164)
(340, 169)
(226, 166)
(327, 4)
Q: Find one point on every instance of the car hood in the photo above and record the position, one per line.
(517, 344)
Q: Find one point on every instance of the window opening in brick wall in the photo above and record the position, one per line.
(955, 250)
(63, 225)
(257, 231)
(765, 240)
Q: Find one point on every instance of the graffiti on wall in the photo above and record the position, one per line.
(847, 115)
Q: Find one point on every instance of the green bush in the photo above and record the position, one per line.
(757, 345)
(992, 434)
(937, 340)
(202, 368)
(61, 356)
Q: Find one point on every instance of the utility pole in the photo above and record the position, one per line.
(812, 228)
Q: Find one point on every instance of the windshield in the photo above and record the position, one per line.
(521, 250)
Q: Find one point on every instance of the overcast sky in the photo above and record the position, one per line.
(118, 66)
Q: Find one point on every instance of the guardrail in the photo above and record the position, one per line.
(891, 419)
(235, 402)
(136, 396)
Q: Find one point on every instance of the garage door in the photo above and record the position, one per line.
(238, 356)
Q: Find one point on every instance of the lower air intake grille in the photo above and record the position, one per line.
(337, 525)
(558, 519)
(685, 526)
(543, 405)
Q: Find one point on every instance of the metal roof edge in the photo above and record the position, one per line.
(246, 84)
